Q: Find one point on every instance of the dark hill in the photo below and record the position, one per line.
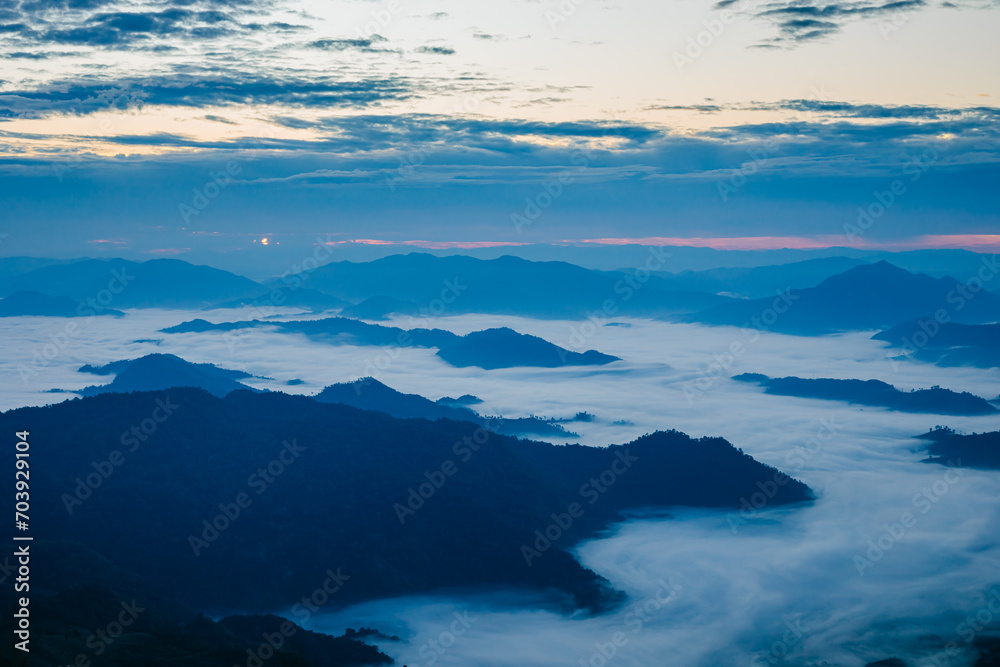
(947, 344)
(163, 371)
(84, 593)
(370, 394)
(506, 348)
(339, 499)
(875, 393)
(978, 450)
(490, 349)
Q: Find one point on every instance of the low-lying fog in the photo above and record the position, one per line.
(841, 580)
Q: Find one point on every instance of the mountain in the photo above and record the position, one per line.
(380, 307)
(245, 502)
(118, 283)
(37, 304)
(872, 296)
(506, 285)
(978, 450)
(875, 393)
(761, 281)
(163, 371)
(506, 348)
(947, 344)
(370, 394)
(488, 349)
(333, 330)
(91, 612)
(285, 297)
(11, 267)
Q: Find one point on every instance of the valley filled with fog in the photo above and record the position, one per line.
(840, 581)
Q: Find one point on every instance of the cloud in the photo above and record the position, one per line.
(436, 50)
(107, 24)
(801, 21)
(199, 89)
(360, 44)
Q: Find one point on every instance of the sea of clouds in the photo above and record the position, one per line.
(841, 581)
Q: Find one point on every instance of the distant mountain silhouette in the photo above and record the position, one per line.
(26, 303)
(401, 506)
(506, 285)
(978, 450)
(286, 297)
(118, 283)
(11, 267)
(381, 307)
(333, 330)
(761, 281)
(506, 348)
(872, 296)
(875, 393)
(370, 394)
(163, 371)
(462, 401)
(489, 349)
(947, 344)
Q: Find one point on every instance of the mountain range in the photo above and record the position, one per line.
(277, 490)
(875, 393)
(163, 371)
(488, 349)
(872, 296)
(156, 372)
(28, 303)
(976, 450)
(946, 344)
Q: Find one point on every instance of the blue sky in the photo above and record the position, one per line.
(151, 128)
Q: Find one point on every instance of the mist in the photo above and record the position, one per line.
(842, 581)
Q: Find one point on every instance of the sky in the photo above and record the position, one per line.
(166, 127)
